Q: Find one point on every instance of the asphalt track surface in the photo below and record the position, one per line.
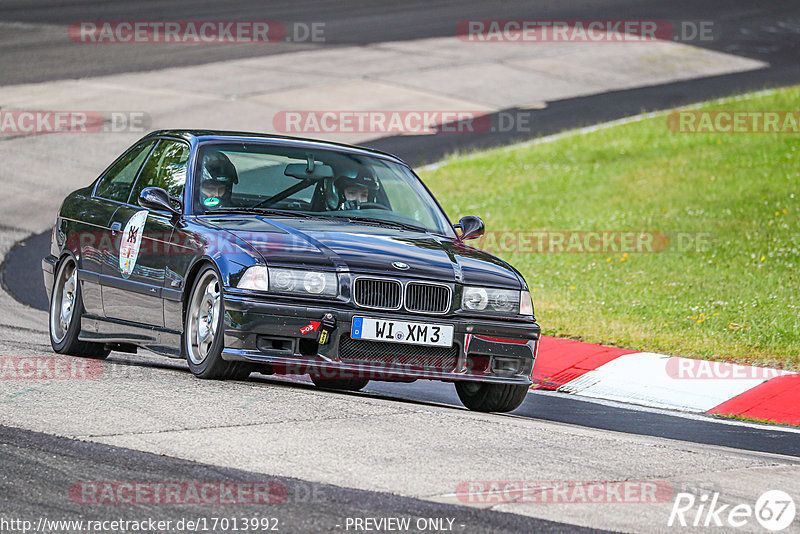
(50, 466)
(31, 54)
(37, 467)
(757, 30)
(575, 411)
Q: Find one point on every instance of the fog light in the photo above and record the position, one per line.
(505, 365)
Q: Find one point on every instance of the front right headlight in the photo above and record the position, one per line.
(504, 301)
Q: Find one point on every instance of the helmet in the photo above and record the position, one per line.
(362, 177)
(217, 179)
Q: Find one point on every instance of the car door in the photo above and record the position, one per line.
(94, 232)
(134, 281)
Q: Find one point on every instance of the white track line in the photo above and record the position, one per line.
(672, 413)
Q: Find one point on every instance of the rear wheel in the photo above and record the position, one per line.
(487, 397)
(203, 337)
(66, 308)
(346, 384)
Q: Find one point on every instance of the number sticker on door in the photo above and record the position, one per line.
(131, 241)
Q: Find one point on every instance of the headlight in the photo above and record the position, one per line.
(303, 282)
(256, 277)
(475, 298)
(504, 301)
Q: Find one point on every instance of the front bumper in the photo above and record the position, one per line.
(283, 336)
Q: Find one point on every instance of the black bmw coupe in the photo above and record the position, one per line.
(256, 253)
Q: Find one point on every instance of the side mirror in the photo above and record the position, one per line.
(155, 198)
(471, 227)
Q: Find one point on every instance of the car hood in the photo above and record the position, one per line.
(360, 248)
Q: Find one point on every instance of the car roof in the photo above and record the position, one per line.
(205, 136)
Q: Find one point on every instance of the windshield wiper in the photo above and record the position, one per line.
(393, 224)
(266, 211)
(288, 213)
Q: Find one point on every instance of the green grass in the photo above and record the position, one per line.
(747, 419)
(735, 299)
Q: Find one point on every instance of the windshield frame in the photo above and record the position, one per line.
(406, 173)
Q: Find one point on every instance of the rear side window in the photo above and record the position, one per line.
(166, 168)
(117, 182)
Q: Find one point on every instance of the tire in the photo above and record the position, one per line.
(203, 332)
(66, 309)
(486, 397)
(343, 384)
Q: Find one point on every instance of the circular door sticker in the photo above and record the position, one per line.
(131, 241)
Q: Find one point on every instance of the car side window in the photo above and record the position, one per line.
(117, 182)
(165, 168)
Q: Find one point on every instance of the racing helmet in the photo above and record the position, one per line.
(361, 177)
(217, 179)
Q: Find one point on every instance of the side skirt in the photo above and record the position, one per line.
(162, 341)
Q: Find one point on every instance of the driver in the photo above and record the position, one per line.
(356, 190)
(217, 180)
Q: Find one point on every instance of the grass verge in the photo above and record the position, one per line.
(723, 283)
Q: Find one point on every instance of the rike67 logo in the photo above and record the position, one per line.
(774, 510)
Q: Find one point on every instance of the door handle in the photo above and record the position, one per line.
(115, 227)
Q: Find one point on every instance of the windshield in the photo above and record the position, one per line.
(289, 181)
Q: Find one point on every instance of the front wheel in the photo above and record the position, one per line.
(203, 335)
(66, 308)
(487, 397)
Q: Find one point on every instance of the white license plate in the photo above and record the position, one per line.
(437, 335)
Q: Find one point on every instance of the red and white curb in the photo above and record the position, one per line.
(660, 381)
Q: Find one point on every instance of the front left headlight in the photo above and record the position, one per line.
(502, 301)
(303, 282)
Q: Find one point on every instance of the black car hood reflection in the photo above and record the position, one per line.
(317, 243)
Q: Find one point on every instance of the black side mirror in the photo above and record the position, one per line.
(155, 198)
(471, 227)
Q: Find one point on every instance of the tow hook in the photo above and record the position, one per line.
(327, 326)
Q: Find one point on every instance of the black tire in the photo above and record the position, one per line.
(241, 370)
(64, 331)
(205, 358)
(486, 397)
(344, 384)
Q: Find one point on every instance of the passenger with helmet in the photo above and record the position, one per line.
(357, 188)
(217, 180)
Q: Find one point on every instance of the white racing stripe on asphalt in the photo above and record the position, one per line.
(643, 378)
(672, 413)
